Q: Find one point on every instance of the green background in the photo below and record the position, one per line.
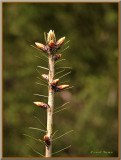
(92, 29)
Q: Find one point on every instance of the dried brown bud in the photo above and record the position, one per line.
(60, 41)
(45, 76)
(41, 104)
(41, 46)
(57, 56)
(61, 87)
(47, 140)
(51, 43)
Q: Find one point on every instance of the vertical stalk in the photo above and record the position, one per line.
(51, 104)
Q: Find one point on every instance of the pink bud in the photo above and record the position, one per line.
(60, 41)
(55, 82)
(41, 104)
(45, 76)
(63, 86)
(41, 46)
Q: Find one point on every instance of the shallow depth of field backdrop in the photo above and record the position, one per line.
(92, 29)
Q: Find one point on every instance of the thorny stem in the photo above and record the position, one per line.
(51, 104)
(50, 48)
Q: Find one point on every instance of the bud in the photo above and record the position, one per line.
(55, 82)
(41, 104)
(41, 46)
(45, 76)
(51, 43)
(51, 36)
(57, 56)
(60, 41)
(61, 87)
(47, 140)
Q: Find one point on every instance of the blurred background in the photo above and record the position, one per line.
(92, 113)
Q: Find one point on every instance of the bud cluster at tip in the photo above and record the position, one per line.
(51, 37)
(51, 48)
(51, 44)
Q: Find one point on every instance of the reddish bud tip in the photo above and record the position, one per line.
(55, 82)
(63, 86)
(60, 41)
(41, 104)
(41, 46)
(45, 76)
(51, 43)
(47, 140)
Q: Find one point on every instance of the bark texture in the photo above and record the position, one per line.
(51, 104)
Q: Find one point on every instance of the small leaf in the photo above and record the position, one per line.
(35, 150)
(40, 95)
(54, 133)
(37, 129)
(39, 140)
(62, 135)
(40, 121)
(59, 72)
(64, 49)
(61, 149)
(45, 37)
(43, 67)
(65, 75)
(62, 105)
(59, 61)
(59, 110)
(40, 58)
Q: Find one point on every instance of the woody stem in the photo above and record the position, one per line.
(51, 104)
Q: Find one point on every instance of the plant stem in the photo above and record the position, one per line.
(51, 104)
